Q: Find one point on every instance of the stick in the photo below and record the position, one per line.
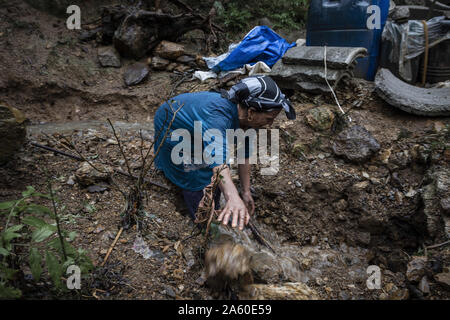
(56, 151)
(81, 159)
(438, 245)
(112, 247)
(145, 179)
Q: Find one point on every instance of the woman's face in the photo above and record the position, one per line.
(259, 120)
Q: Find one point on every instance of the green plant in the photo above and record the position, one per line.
(41, 237)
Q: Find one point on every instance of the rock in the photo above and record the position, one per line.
(98, 188)
(432, 195)
(71, 180)
(186, 60)
(420, 154)
(12, 132)
(135, 74)
(355, 144)
(182, 68)
(86, 175)
(169, 50)
(305, 264)
(171, 66)
(159, 63)
(108, 57)
(320, 118)
(169, 291)
(424, 286)
(227, 263)
(285, 291)
(340, 205)
(443, 279)
(131, 40)
(416, 269)
(363, 237)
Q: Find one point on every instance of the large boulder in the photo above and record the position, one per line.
(12, 132)
(355, 144)
(132, 40)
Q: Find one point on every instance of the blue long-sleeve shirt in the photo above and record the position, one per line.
(213, 112)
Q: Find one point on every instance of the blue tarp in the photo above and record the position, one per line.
(260, 44)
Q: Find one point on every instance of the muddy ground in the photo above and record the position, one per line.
(338, 217)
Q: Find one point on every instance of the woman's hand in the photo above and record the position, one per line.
(237, 208)
(249, 203)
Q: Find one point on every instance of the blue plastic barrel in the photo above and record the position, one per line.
(343, 23)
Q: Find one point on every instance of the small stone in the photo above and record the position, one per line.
(340, 205)
(186, 59)
(171, 66)
(443, 279)
(411, 193)
(86, 175)
(108, 57)
(170, 292)
(99, 229)
(159, 63)
(305, 264)
(314, 240)
(320, 118)
(361, 185)
(445, 205)
(103, 251)
(363, 237)
(424, 286)
(182, 68)
(169, 50)
(135, 74)
(71, 180)
(416, 269)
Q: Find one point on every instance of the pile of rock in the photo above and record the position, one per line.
(168, 56)
(172, 56)
(303, 68)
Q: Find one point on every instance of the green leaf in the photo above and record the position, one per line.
(72, 235)
(7, 205)
(30, 190)
(10, 233)
(9, 292)
(4, 252)
(15, 228)
(36, 208)
(43, 233)
(35, 263)
(54, 268)
(34, 222)
(56, 244)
